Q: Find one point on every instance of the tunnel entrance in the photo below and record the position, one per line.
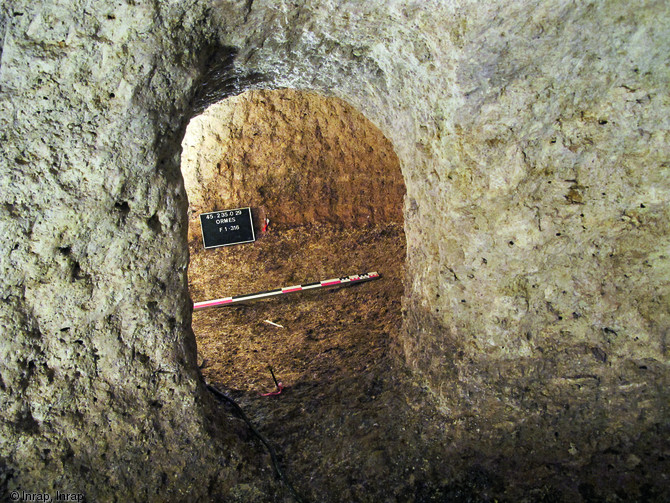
(329, 184)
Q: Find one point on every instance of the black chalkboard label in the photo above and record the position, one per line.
(227, 227)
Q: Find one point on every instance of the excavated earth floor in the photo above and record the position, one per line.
(349, 424)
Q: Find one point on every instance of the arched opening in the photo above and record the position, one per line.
(330, 185)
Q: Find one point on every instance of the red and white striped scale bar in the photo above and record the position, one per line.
(356, 278)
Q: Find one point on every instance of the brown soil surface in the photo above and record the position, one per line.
(349, 425)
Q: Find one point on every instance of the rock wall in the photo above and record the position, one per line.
(533, 139)
(99, 389)
(539, 309)
(296, 158)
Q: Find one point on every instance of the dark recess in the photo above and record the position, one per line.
(220, 78)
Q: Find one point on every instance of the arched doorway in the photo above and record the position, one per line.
(329, 184)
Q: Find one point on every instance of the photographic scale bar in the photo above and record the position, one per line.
(356, 278)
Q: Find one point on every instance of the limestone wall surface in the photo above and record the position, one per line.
(534, 143)
(100, 393)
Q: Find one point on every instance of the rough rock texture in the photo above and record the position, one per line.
(99, 389)
(534, 142)
(296, 158)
